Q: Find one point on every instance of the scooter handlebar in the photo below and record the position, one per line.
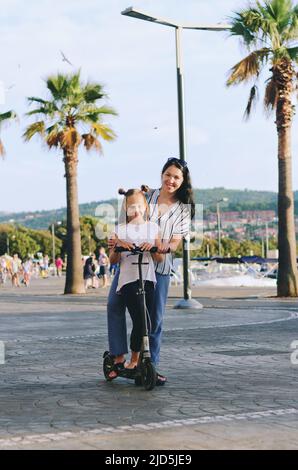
(136, 249)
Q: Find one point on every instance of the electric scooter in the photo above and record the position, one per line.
(145, 373)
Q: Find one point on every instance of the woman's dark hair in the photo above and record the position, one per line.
(185, 192)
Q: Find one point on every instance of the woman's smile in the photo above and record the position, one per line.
(172, 179)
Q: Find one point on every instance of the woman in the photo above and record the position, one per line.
(89, 272)
(171, 206)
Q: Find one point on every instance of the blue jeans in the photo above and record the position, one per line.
(117, 331)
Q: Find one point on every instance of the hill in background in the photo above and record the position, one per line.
(238, 200)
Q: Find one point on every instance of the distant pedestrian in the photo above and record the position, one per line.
(27, 271)
(16, 269)
(59, 266)
(103, 262)
(89, 272)
(3, 270)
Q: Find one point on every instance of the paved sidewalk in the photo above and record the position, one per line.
(231, 381)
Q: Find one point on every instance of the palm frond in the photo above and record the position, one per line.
(271, 94)
(104, 131)
(72, 104)
(240, 27)
(35, 128)
(73, 82)
(48, 109)
(57, 84)
(249, 67)
(7, 116)
(35, 99)
(274, 22)
(107, 110)
(92, 92)
(54, 138)
(70, 138)
(253, 96)
(293, 53)
(291, 33)
(251, 25)
(92, 114)
(91, 142)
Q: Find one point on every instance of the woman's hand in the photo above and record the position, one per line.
(163, 247)
(146, 246)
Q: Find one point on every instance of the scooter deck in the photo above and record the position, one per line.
(129, 373)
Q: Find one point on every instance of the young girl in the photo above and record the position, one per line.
(135, 230)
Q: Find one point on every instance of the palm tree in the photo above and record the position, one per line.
(269, 30)
(69, 118)
(5, 117)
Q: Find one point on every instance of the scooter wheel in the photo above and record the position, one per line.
(108, 364)
(138, 381)
(148, 375)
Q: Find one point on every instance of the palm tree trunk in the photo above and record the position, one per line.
(287, 281)
(74, 271)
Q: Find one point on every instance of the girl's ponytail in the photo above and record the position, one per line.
(145, 188)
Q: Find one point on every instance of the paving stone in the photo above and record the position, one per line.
(231, 358)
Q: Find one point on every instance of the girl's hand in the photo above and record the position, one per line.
(146, 246)
(163, 247)
(124, 244)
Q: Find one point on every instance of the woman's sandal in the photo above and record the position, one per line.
(160, 380)
(119, 366)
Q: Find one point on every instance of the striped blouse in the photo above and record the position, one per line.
(175, 221)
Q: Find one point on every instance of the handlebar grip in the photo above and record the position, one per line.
(120, 249)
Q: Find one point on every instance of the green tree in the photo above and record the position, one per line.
(249, 247)
(5, 118)
(44, 240)
(230, 247)
(22, 243)
(88, 234)
(72, 109)
(269, 30)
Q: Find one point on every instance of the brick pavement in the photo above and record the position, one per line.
(230, 361)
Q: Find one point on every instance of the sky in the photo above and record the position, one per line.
(136, 63)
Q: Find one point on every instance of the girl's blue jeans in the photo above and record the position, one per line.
(117, 331)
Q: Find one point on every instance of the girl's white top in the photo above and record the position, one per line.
(137, 234)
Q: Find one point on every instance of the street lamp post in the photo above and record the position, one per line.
(53, 248)
(89, 244)
(187, 302)
(54, 245)
(224, 199)
(267, 239)
(11, 221)
(7, 244)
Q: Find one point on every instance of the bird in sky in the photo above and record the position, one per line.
(65, 59)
